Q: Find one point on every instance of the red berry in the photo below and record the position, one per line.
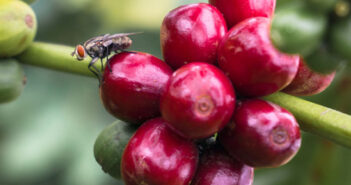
(158, 156)
(262, 134)
(235, 11)
(132, 91)
(255, 67)
(308, 82)
(198, 100)
(192, 33)
(218, 168)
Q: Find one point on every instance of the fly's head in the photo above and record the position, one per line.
(79, 52)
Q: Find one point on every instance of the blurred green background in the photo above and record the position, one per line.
(47, 135)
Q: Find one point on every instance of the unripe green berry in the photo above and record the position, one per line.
(12, 80)
(298, 30)
(110, 144)
(18, 27)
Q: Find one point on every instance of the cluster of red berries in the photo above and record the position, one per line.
(209, 133)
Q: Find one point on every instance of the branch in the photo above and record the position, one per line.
(55, 57)
(312, 118)
(316, 119)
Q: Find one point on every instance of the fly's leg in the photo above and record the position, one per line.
(108, 65)
(91, 65)
(102, 65)
(96, 72)
(74, 52)
(108, 60)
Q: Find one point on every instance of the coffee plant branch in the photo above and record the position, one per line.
(317, 119)
(313, 118)
(57, 57)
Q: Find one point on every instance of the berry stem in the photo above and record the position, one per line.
(312, 117)
(316, 119)
(57, 57)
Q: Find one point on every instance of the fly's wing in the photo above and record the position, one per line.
(116, 40)
(96, 39)
(106, 40)
(113, 36)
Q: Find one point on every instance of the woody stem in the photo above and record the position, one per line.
(57, 57)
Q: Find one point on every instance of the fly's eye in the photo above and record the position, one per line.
(80, 52)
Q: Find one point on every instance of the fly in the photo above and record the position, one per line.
(100, 47)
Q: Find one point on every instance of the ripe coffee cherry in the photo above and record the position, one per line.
(132, 91)
(248, 57)
(158, 156)
(262, 134)
(192, 33)
(198, 101)
(308, 82)
(216, 167)
(235, 11)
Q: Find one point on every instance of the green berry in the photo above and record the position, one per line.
(323, 60)
(298, 30)
(110, 144)
(18, 27)
(12, 80)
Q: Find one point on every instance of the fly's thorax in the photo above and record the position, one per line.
(89, 45)
(94, 51)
